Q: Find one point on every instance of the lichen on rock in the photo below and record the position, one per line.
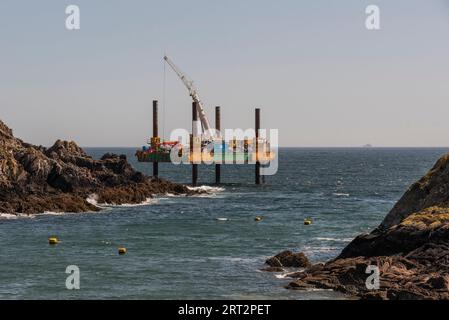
(410, 248)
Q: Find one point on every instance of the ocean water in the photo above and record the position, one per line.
(178, 250)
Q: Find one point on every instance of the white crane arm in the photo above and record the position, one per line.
(195, 96)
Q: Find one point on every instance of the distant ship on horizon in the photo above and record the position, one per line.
(368, 146)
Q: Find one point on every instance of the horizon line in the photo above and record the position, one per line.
(306, 147)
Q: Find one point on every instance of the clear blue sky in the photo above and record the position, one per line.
(319, 76)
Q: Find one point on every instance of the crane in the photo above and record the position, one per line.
(209, 134)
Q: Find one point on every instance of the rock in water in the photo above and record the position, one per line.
(289, 259)
(272, 269)
(34, 179)
(410, 248)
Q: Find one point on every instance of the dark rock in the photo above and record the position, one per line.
(289, 259)
(274, 262)
(374, 295)
(34, 179)
(430, 190)
(410, 248)
(272, 269)
(438, 282)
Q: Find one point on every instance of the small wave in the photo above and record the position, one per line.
(372, 200)
(318, 290)
(207, 189)
(93, 199)
(11, 216)
(51, 213)
(172, 195)
(320, 249)
(333, 239)
(8, 216)
(235, 259)
(147, 201)
(340, 194)
(208, 195)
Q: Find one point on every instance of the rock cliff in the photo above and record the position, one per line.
(35, 179)
(410, 248)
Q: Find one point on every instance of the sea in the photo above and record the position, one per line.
(209, 246)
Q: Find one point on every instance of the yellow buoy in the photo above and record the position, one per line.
(121, 250)
(258, 218)
(307, 222)
(53, 240)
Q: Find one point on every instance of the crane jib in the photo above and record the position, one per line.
(194, 94)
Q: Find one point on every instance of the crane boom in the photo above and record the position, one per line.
(195, 96)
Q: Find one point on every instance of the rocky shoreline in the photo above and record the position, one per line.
(35, 179)
(410, 248)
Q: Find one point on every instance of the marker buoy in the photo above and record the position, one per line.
(121, 251)
(307, 222)
(53, 240)
(258, 218)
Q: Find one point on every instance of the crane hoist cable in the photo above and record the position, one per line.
(164, 97)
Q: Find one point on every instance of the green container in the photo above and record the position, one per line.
(153, 157)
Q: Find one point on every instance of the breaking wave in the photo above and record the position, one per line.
(10, 216)
(93, 200)
(333, 239)
(207, 189)
(146, 202)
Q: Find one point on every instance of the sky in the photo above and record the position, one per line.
(320, 77)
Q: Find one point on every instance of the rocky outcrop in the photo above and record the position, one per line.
(410, 248)
(289, 259)
(35, 179)
(431, 190)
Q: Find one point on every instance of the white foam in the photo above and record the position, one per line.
(207, 195)
(32, 216)
(207, 189)
(93, 199)
(205, 192)
(172, 195)
(321, 249)
(146, 202)
(51, 213)
(235, 259)
(341, 194)
(318, 290)
(8, 216)
(11, 216)
(333, 239)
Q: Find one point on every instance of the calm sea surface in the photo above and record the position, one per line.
(178, 250)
